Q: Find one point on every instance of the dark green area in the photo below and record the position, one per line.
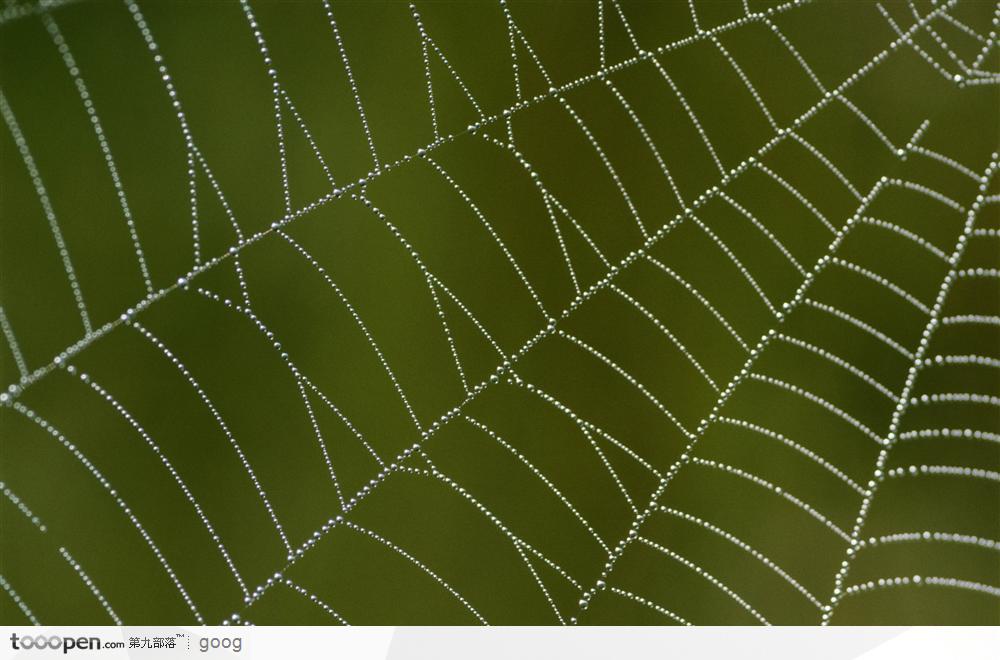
(462, 249)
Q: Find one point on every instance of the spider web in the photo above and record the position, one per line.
(618, 343)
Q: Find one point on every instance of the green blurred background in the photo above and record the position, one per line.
(427, 274)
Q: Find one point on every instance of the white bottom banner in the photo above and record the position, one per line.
(522, 643)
